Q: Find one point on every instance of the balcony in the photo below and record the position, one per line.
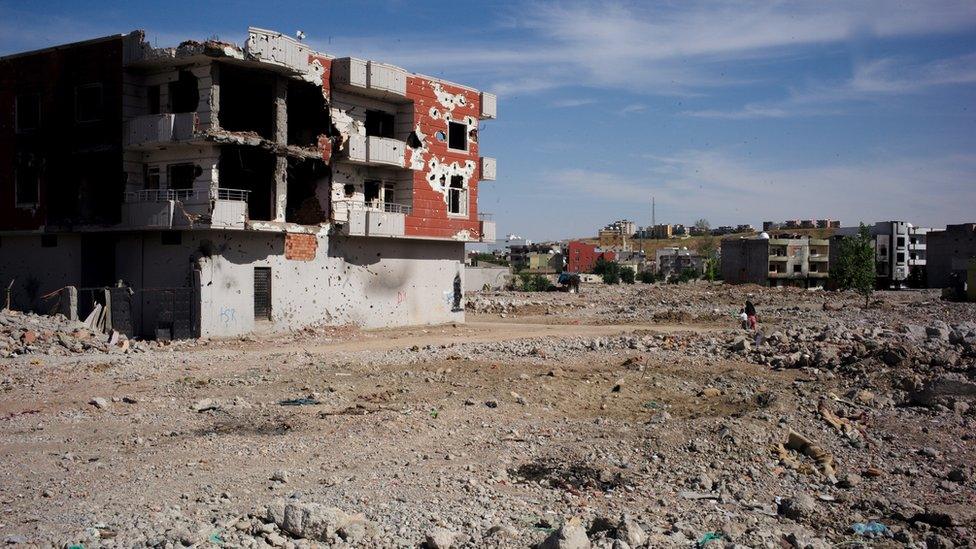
(184, 209)
(369, 78)
(489, 168)
(375, 151)
(155, 130)
(489, 106)
(385, 219)
(486, 226)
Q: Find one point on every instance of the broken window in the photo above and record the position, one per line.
(88, 103)
(457, 196)
(152, 100)
(151, 178)
(247, 100)
(371, 190)
(251, 169)
(262, 293)
(304, 178)
(308, 115)
(184, 96)
(28, 112)
(27, 189)
(457, 136)
(379, 123)
(181, 176)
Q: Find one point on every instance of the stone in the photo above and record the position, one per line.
(570, 535)
(711, 392)
(947, 515)
(440, 538)
(741, 344)
(205, 404)
(849, 480)
(957, 475)
(630, 532)
(99, 403)
(502, 531)
(798, 507)
(280, 476)
(312, 520)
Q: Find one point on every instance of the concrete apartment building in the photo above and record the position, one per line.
(900, 250)
(233, 188)
(777, 261)
(581, 257)
(618, 234)
(951, 254)
(673, 260)
(801, 224)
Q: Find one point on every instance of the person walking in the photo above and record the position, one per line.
(751, 314)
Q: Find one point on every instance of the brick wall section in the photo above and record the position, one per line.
(300, 247)
(582, 257)
(429, 216)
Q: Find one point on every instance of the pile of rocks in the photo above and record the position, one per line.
(29, 333)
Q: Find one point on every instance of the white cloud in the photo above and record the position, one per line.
(727, 189)
(571, 103)
(658, 48)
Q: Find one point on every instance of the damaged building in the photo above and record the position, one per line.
(230, 189)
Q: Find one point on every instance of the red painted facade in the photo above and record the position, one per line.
(430, 217)
(582, 257)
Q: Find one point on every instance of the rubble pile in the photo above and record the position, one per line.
(29, 333)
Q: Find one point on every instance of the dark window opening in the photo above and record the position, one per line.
(28, 184)
(184, 96)
(49, 241)
(171, 238)
(901, 257)
(305, 179)
(348, 189)
(901, 241)
(28, 114)
(247, 101)
(151, 178)
(379, 123)
(457, 196)
(371, 190)
(797, 268)
(88, 103)
(181, 176)
(85, 188)
(262, 293)
(152, 99)
(413, 141)
(457, 136)
(308, 115)
(250, 169)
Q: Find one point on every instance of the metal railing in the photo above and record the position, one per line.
(183, 195)
(378, 205)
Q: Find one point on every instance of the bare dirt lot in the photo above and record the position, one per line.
(629, 416)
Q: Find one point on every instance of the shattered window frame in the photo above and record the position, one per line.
(462, 198)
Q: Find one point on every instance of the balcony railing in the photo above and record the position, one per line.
(375, 205)
(183, 195)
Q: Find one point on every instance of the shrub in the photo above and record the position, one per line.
(627, 275)
(534, 282)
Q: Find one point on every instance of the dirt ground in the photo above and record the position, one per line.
(499, 431)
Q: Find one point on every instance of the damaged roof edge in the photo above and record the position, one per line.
(70, 45)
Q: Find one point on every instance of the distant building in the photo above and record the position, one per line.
(899, 249)
(661, 231)
(802, 261)
(582, 256)
(950, 253)
(679, 230)
(618, 234)
(745, 228)
(723, 230)
(674, 260)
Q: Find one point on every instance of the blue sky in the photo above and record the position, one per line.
(732, 111)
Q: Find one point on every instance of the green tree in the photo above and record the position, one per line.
(854, 268)
(611, 272)
(712, 269)
(647, 277)
(627, 275)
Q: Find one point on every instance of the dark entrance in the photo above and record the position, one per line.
(262, 293)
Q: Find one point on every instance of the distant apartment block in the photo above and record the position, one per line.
(900, 250)
(950, 254)
(582, 257)
(800, 224)
(674, 260)
(803, 262)
(617, 234)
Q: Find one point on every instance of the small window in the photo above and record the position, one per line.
(49, 240)
(457, 197)
(901, 241)
(901, 257)
(797, 268)
(152, 99)
(88, 103)
(172, 238)
(151, 181)
(181, 176)
(457, 137)
(28, 112)
(27, 189)
(379, 123)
